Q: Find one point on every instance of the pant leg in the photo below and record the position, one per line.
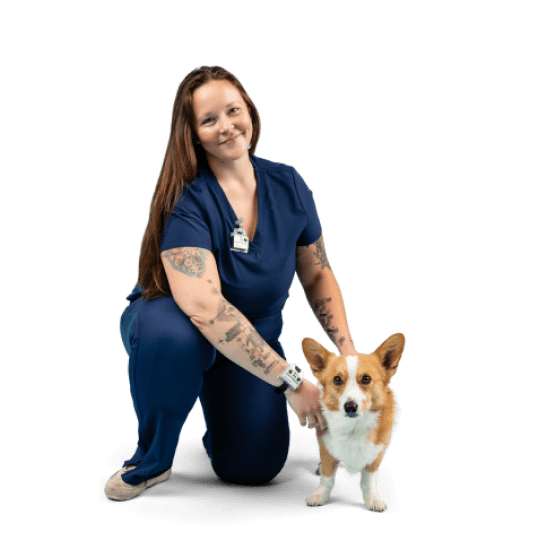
(247, 435)
(167, 358)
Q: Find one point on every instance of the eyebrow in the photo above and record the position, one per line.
(212, 112)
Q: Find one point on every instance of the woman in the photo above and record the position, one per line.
(211, 297)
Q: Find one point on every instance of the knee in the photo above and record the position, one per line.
(164, 323)
(246, 469)
(246, 477)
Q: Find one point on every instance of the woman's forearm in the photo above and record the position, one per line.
(231, 333)
(196, 289)
(325, 299)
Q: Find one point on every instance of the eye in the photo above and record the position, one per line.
(234, 109)
(207, 120)
(337, 381)
(366, 379)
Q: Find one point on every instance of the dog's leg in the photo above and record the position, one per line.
(329, 464)
(323, 492)
(370, 473)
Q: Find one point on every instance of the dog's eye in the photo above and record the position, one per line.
(366, 379)
(337, 381)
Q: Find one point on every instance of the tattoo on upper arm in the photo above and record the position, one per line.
(246, 337)
(191, 262)
(320, 253)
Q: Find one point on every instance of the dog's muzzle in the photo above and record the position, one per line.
(351, 409)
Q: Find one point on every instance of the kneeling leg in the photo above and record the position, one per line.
(167, 360)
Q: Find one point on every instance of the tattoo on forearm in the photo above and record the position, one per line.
(226, 312)
(321, 254)
(323, 313)
(246, 336)
(191, 262)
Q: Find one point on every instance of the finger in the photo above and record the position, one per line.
(302, 420)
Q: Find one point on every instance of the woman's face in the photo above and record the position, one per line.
(222, 120)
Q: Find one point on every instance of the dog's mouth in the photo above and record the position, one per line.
(352, 414)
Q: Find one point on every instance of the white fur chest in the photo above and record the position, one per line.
(347, 439)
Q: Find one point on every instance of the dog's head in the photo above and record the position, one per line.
(355, 383)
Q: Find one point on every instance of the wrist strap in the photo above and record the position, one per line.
(282, 388)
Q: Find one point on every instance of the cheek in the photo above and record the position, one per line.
(332, 398)
(247, 122)
(367, 402)
(377, 399)
(206, 135)
(372, 398)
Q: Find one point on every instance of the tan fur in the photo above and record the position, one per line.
(375, 396)
(328, 462)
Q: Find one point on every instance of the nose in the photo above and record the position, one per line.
(351, 408)
(225, 126)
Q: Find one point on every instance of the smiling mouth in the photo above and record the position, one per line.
(230, 140)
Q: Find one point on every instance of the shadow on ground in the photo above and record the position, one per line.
(194, 494)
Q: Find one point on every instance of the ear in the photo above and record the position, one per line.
(317, 356)
(389, 354)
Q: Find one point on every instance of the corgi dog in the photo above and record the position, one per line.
(358, 406)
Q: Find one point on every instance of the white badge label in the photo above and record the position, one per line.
(239, 239)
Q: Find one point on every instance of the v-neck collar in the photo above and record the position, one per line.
(232, 217)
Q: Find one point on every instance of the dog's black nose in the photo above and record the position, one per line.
(350, 408)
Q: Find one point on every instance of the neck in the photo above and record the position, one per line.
(235, 170)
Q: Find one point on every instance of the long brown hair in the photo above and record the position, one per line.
(180, 166)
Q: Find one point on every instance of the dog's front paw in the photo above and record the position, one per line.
(374, 503)
(318, 498)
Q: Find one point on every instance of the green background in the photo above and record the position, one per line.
(429, 134)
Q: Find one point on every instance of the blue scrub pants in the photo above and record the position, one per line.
(171, 364)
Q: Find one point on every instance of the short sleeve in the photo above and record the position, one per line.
(312, 231)
(186, 226)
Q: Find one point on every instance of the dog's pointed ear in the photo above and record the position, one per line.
(317, 356)
(389, 353)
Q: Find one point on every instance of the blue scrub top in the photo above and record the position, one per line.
(256, 282)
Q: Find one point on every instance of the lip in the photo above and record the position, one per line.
(231, 140)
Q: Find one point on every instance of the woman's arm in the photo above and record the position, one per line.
(323, 293)
(195, 285)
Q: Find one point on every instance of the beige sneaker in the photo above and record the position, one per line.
(117, 489)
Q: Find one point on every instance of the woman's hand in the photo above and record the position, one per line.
(306, 403)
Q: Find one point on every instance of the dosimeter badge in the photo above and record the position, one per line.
(239, 239)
